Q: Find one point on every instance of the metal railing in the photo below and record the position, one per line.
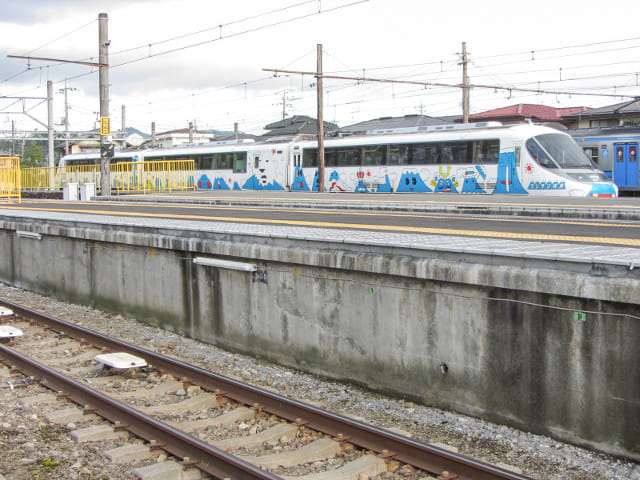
(125, 176)
(153, 176)
(10, 178)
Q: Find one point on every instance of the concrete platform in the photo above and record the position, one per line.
(510, 330)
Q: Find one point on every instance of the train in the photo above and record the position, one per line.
(615, 151)
(480, 158)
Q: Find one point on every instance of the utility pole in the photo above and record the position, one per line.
(153, 134)
(66, 115)
(50, 154)
(320, 121)
(66, 119)
(465, 85)
(106, 147)
(284, 104)
(124, 124)
(13, 138)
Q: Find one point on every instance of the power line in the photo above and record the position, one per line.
(237, 34)
(59, 38)
(217, 27)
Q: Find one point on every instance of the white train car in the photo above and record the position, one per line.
(475, 158)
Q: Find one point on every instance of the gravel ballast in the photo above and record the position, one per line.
(31, 448)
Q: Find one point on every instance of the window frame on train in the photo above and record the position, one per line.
(485, 151)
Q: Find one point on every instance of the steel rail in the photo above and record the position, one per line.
(201, 455)
(427, 457)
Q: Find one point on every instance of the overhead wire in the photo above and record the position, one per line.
(417, 65)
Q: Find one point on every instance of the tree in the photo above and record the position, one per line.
(33, 155)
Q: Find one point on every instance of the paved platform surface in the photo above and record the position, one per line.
(623, 208)
(360, 239)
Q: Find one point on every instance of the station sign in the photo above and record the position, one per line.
(105, 126)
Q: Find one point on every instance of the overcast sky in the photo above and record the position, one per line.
(213, 73)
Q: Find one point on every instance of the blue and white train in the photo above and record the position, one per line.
(615, 151)
(477, 158)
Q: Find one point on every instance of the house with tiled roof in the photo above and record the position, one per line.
(297, 125)
(528, 112)
(617, 115)
(180, 136)
(387, 124)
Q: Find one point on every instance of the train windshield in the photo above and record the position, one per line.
(553, 150)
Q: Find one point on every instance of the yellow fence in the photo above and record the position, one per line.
(10, 178)
(153, 176)
(125, 176)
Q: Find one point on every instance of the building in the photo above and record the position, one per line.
(297, 125)
(527, 112)
(181, 136)
(619, 115)
(386, 124)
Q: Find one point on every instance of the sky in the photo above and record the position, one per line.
(202, 61)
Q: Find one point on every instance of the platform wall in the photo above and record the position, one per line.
(510, 340)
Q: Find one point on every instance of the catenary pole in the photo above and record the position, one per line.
(320, 122)
(465, 84)
(50, 154)
(106, 147)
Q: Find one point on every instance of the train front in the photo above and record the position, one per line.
(566, 169)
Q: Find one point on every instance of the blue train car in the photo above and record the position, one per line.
(615, 151)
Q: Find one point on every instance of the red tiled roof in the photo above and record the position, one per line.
(528, 110)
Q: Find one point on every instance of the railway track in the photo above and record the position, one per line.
(211, 424)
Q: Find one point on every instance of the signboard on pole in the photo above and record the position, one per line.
(105, 126)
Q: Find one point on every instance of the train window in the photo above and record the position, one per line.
(203, 162)
(538, 153)
(309, 157)
(348, 157)
(424, 153)
(240, 162)
(486, 151)
(374, 155)
(593, 153)
(222, 161)
(398, 155)
(330, 158)
(561, 150)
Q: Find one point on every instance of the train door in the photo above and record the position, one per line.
(625, 166)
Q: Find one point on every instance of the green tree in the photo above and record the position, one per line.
(33, 155)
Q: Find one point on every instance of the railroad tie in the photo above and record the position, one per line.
(68, 415)
(167, 471)
(367, 465)
(314, 451)
(163, 388)
(98, 433)
(269, 435)
(241, 414)
(129, 453)
(199, 402)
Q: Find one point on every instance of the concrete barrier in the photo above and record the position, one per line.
(547, 346)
